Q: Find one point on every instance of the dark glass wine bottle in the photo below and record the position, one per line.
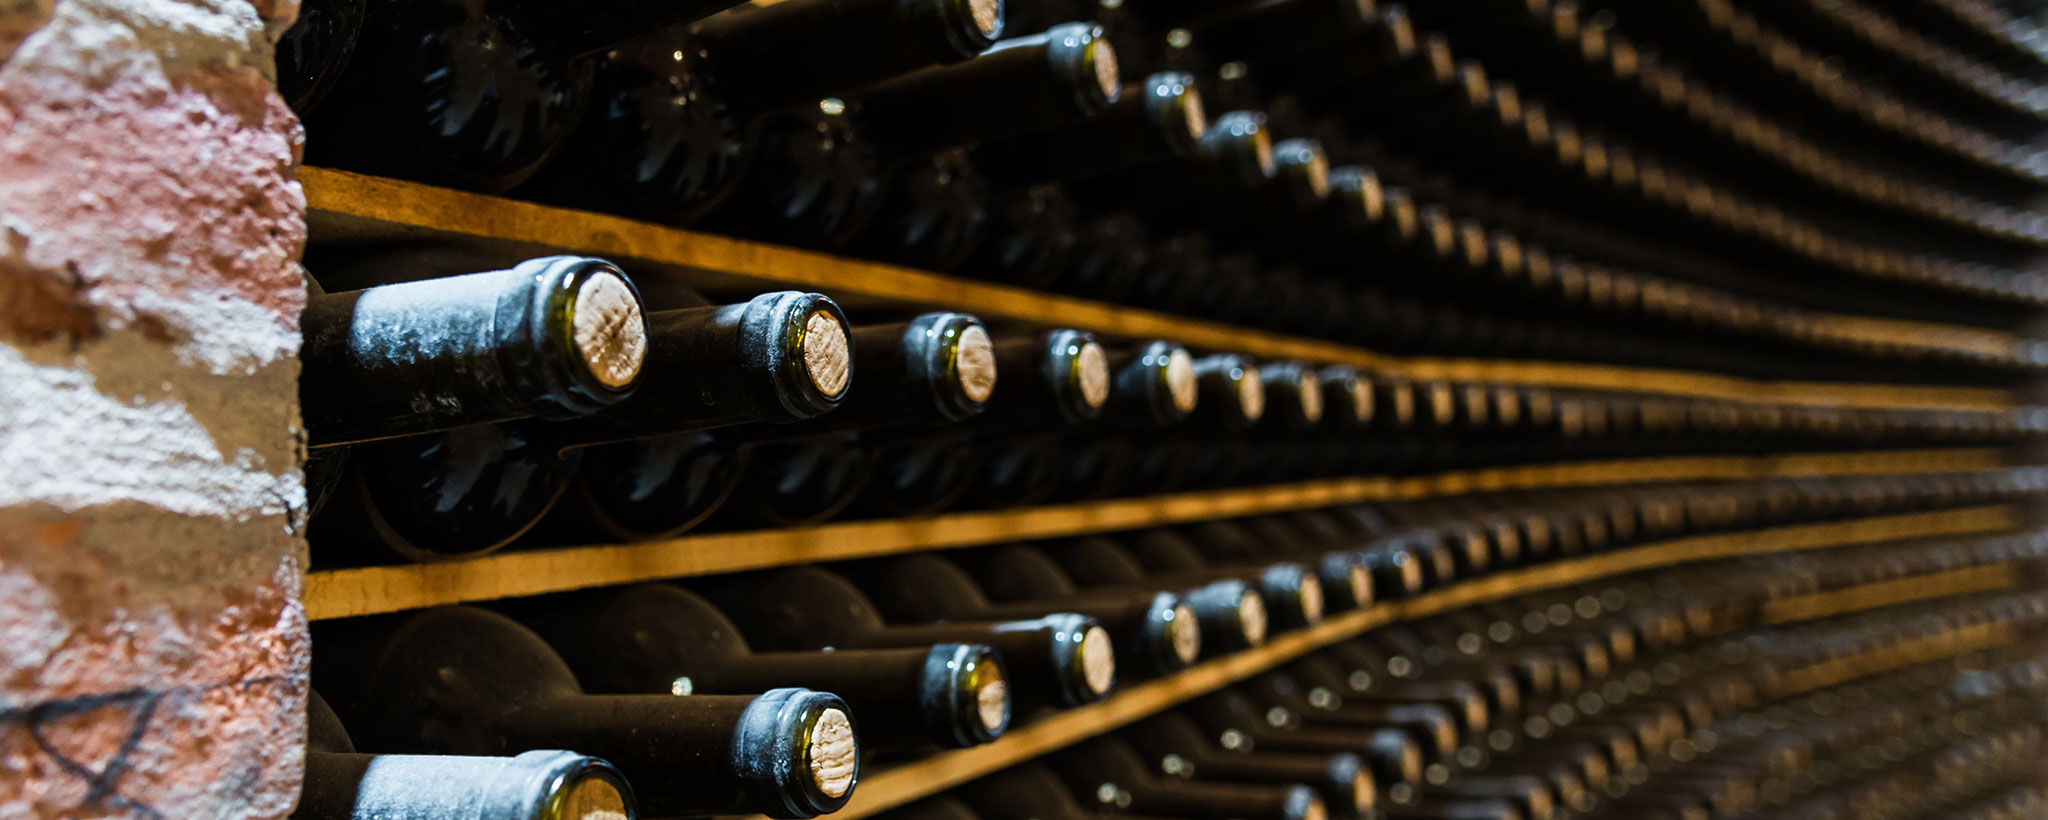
(657, 638)
(935, 370)
(460, 680)
(342, 784)
(1105, 763)
(1162, 635)
(469, 93)
(778, 357)
(1062, 659)
(1008, 452)
(1182, 748)
(1237, 720)
(1148, 630)
(555, 337)
(313, 52)
(1293, 592)
(1231, 612)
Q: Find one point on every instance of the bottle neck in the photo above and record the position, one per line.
(795, 51)
(586, 30)
(1029, 84)
(789, 752)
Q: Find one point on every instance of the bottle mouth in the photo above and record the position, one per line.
(1306, 167)
(1176, 105)
(1101, 80)
(977, 690)
(1084, 656)
(809, 761)
(1363, 792)
(971, 26)
(591, 328)
(1241, 140)
(588, 792)
(1305, 804)
(951, 353)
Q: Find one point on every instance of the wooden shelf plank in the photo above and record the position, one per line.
(369, 590)
(894, 787)
(348, 206)
(1888, 593)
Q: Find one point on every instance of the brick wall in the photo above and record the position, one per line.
(152, 642)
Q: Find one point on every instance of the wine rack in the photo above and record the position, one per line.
(898, 786)
(1791, 310)
(347, 208)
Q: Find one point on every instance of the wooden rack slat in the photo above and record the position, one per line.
(896, 786)
(1888, 593)
(369, 590)
(348, 206)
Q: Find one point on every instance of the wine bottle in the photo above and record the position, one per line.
(1060, 377)
(313, 52)
(1152, 386)
(555, 337)
(1061, 659)
(1159, 118)
(930, 589)
(1293, 592)
(1160, 628)
(935, 370)
(937, 209)
(1231, 613)
(460, 680)
(1183, 749)
(778, 357)
(1108, 763)
(1346, 580)
(656, 638)
(473, 94)
(1238, 721)
(341, 784)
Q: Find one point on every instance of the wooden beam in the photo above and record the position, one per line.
(369, 590)
(346, 206)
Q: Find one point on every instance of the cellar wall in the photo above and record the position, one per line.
(151, 556)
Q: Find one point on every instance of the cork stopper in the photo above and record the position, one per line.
(1311, 397)
(834, 753)
(974, 361)
(590, 798)
(1180, 380)
(1108, 77)
(1251, 617)
(1185, 634)
(1362, 795)
(1312, 598)
(1251, 394)
(1361, 585)
(1194, 115)
(1091, 374)
(607, 327)
(992, 701)
(987, 15)
(1361, 400)
(1315, 810)
(828, 353)
(1098, 660)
